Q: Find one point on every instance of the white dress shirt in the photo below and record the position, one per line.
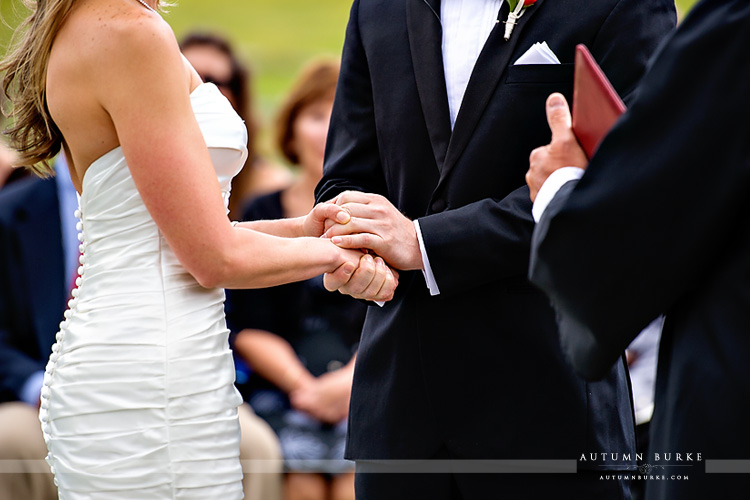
(466, 26)
(551, 186)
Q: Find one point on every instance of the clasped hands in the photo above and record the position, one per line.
(370, 223)
(387, 238)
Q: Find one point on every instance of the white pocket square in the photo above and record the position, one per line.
(539, 53)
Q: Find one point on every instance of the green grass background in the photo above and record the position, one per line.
(275, 37)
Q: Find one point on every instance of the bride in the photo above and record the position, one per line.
(138, 398)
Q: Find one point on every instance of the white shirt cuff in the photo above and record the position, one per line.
(551, 186)
(32, 388)
(427, 270)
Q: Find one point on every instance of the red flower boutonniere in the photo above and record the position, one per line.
(517, 8)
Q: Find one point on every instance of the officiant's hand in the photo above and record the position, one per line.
(371, 280)
(562, 151)
(377, 225)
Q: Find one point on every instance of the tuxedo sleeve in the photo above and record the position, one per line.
(661, 198)
(489, 240)
(352, 155)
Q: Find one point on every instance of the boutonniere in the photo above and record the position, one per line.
(517, 8)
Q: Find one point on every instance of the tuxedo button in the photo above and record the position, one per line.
(438, 205)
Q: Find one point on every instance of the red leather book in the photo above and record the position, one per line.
(596, 105)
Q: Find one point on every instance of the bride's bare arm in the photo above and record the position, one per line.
(144, 85)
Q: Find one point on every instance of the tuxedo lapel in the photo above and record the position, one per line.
(484, 80)
(425, 43)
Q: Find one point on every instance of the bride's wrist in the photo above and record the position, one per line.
(298, 226)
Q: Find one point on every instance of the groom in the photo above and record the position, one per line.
(429, 142)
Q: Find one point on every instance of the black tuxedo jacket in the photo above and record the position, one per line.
(659, 223)
(32, 282)
(477, 369)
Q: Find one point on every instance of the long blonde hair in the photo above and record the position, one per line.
(32, 132)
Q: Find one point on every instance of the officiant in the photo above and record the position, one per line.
(434, 119)
(658, 223)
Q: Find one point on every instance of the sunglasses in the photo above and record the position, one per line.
(208, 78)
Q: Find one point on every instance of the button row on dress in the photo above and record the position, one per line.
(59, 337)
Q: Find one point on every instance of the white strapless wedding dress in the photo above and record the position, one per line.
(138, 400)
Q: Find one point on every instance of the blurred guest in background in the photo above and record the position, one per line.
(7, 173)
(215, 60)
(298, 339)
(38, 261)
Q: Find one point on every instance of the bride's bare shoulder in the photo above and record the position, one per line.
(105, 44)
(103, 31)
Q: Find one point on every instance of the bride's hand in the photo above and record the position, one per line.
(314, 223)
(372, 280)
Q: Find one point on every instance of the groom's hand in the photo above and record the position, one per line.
(378, 226)
(372, 280)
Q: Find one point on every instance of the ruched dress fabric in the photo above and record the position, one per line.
(138, 399)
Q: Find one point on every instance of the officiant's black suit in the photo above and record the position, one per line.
(659, 223)
(475, 372)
